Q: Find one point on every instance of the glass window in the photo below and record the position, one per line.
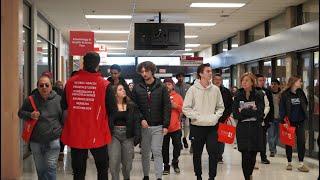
(226, 77)
(310, 11)
(42, 56)
(162, 61)
(252, 67)
(281, 71)
(234, 75)
(225, 46)
(267, 72)
(256, 33)
(43, 28)
(316, 99)
(278, 24)
(234, 42)
(26, 15)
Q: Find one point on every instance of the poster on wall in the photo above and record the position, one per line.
(81, 42)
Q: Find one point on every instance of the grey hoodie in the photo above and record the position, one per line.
(204, 106)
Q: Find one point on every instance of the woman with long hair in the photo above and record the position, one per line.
(248, 107)
(125, 128)
(293, 104)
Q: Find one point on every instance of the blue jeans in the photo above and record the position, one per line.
(45, 157)
(273, 135)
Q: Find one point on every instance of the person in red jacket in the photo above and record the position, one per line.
(174, 130)
(86, 98)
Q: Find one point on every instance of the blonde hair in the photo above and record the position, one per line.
(292, 80)
(251, 76)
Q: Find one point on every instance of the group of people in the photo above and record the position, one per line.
(110, 117)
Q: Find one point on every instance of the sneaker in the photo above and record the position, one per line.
(61, 156)
(272, 154)
(176, 168)
(303, 168)
(256, 167)
(166, 170)
(265, 161)
(289, 167)
(185, 143)
(234, 147)
(146, 178)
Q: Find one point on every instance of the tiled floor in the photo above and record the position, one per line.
(230, 170)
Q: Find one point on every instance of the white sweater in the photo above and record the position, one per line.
(204, 106)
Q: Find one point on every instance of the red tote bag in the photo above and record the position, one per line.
(287, 135)
(29, 124)
(226, 133)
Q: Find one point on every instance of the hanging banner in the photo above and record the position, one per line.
(81, 42)
(191, 61)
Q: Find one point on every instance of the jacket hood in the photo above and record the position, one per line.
(199, 86)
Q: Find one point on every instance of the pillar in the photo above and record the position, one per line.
(11, 49)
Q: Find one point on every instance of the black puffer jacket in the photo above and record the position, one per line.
(156, 110)
(48, 127)
(227, 102)
(249, 133)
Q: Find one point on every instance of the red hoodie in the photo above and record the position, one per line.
(86, 125)
(175, 112)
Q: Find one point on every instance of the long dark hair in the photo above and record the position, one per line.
(126, 100)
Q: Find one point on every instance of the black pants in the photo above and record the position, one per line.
(248, 162)
(61, 146)
(177, 146)
(300, 143)
(79, 162)
(205, 135)
(220, 150)
(263, 153)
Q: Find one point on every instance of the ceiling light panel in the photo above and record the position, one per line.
(108, 16)
(190, 36)
(217, 5)
(192, 45)
(199, 24)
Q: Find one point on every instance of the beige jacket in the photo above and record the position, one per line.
(204, 106)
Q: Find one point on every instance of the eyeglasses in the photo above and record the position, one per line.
(44, 85)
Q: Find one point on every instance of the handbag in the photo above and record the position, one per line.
(29, 124)
(226, 132)
(287, 134)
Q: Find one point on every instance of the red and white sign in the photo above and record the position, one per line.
(81, 42)
(100, 48)
(191, 61)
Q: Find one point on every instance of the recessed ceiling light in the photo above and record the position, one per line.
(188, 54)
(217, 5)
(192, 45)
(190, 36)
(110, 41)
(110, 32)
(188, 50)
(234, 45)
(224, 50)
(116, 53)
(108, 16)
(116, 48)
(199, 24)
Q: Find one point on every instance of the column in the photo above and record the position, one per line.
(11, 48)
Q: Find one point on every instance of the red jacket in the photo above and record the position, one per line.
(175, 112)
(86, 125)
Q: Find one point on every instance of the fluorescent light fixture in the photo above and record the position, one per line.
(110, 41)
(199, 24)
(188, 50)
(192, 45)
(188, 54)
(116, 53)
(39, 41)
(190, 36)
(217, 5)
(116, 48)
(110, 32)
(224, 50)
(108, 16)
(234, 45)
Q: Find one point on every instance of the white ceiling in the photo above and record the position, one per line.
(70, 15)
